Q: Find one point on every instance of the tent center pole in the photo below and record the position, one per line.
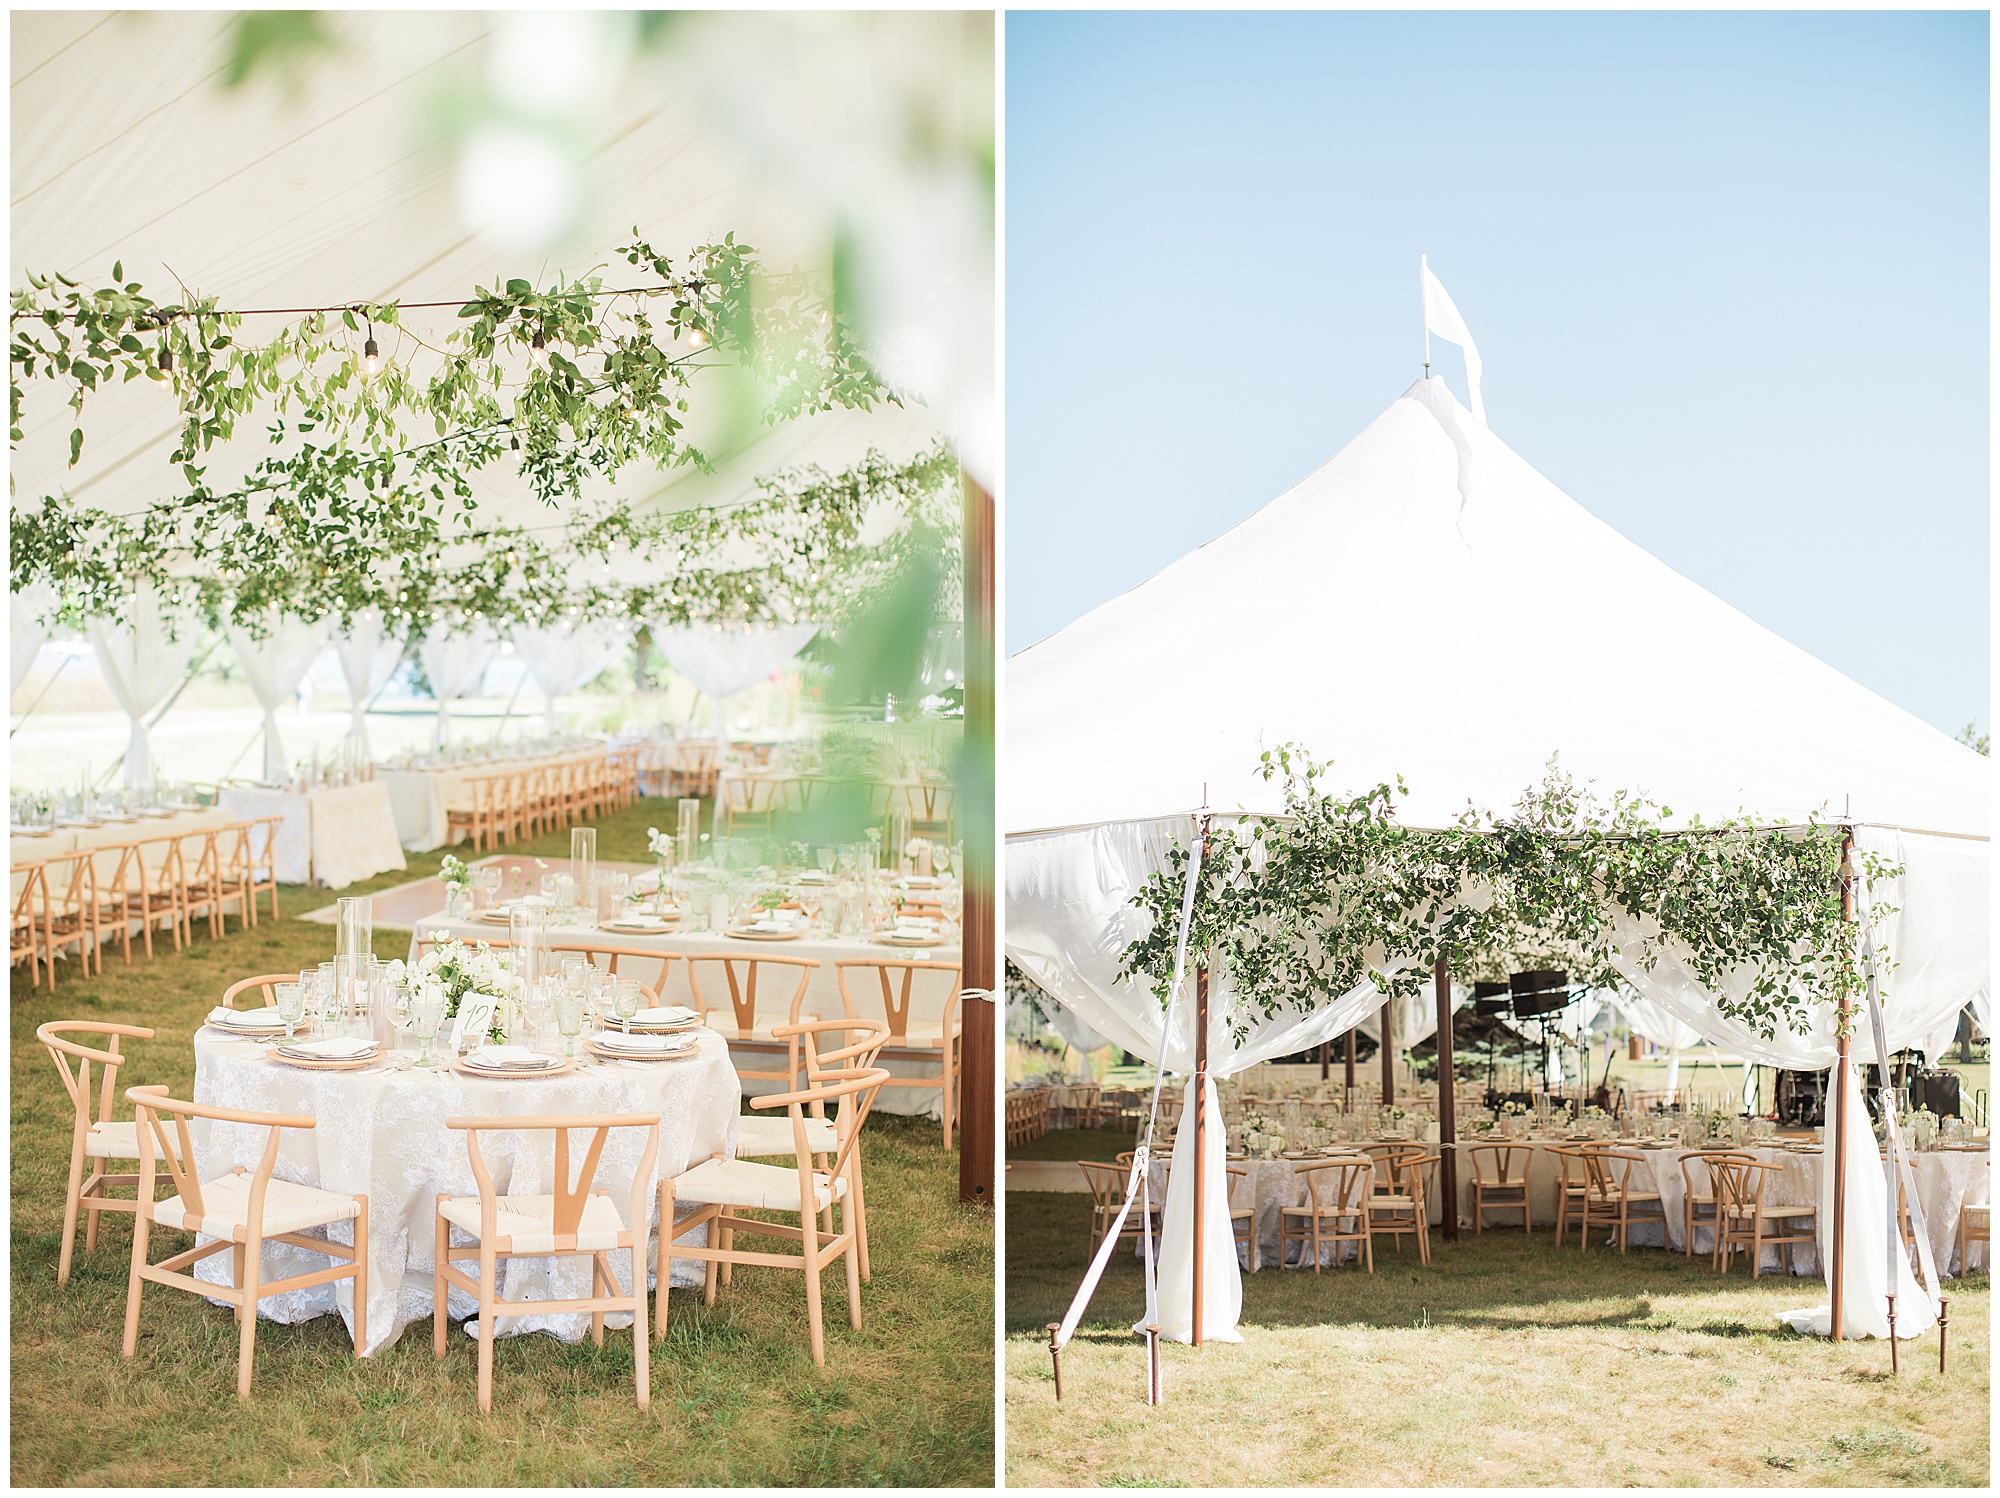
(1388, 1056)
(1350, 1066)
(1447, 1105)
(1200, 1137)
(1840, 1106)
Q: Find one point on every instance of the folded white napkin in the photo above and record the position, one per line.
(611, 1040)
(510, 1056)
(334, 1048)
(909, 927)
(772, 923)
(245, 1019)
(641, 922)
(669, 1014)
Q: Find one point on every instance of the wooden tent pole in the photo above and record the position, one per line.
(1350, 1063)
(977, 1060)
(1200, 1135)
(1325, 1059)
(1447, 1104)
(1388, 1056)
(1840, 1107)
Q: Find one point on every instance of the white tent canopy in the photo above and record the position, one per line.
(1373, 617)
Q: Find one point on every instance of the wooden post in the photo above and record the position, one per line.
(1350, 1063)
(1839, 1110)
(978, 958)
(1200, 1125)
(1388, 1056)
(1325, 1059)
(1447, 1104)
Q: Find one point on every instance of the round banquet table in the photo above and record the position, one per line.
(381, 1132)
(822, 1001)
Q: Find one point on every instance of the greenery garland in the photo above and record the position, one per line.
(1305, 906)
(370, 479)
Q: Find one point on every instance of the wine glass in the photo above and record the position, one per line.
(291, 1005)
(427, 1010)
(535, 1005)
(826, 857)
(624, 1001)
(569, 1016)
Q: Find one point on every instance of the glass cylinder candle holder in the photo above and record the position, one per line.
(687, 830)
(583, 860)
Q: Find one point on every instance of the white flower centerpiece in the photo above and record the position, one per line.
(662, 846)
(475, 984)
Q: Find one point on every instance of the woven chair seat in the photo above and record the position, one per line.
(526, 1224)
(288, 1208)
(773, 1136)
(120, 1141)
(744, 1183)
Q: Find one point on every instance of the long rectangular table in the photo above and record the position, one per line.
(822, 998)
(330, 836)
(420, 797)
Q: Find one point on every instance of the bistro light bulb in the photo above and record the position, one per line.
(371, 359)
(163, 372)
(538, 353)
(698, 338)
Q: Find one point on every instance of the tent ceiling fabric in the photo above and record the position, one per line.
(1364, 615)
(126, 147)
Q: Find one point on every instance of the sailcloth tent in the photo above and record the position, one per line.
(1398, 623)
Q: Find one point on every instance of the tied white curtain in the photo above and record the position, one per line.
(140, 665)
(274, 666)
(369, 655)
(724, 659)
(26, 633)
(563, 657)
(1069, 920)
(455, 664)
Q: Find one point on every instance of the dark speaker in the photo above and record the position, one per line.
(1936, 1090)
(1802, 1098)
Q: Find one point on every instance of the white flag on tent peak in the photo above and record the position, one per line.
(1441, 317)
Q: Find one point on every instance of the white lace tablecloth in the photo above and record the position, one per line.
(381, 1132)
(193, 825)
(331, 835)
(822, 999)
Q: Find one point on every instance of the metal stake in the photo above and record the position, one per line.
(1895, 1364)
(1055, 1357)
(1944, 1325)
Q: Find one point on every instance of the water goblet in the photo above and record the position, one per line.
(624, 1001)
(291, 1005)
(428, 1013)
(569, 1016)
(826, 857)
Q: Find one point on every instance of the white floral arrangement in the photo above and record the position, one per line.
(659, 844)
(1514, 1109)
(914, 848)
(454, 971)
(454, 873)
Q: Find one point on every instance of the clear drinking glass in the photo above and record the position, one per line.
(291, 1005)
(569, 1016)
(826, 857)
(485, 888)
(428, 1011)
(625, 998)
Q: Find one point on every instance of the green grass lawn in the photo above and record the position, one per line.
(906, 1401)
(1506, 1363)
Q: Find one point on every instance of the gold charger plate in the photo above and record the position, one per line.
(492, 915)
(614, 1055)
(512, 1074)
(745, 935)
(330, 1063)
(910, 941)
(628, 928)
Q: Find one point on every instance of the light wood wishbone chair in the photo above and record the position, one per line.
(241, 1211)
(569, 1222)
(98, 1140)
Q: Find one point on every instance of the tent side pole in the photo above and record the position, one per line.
(1200, 1136)
(977, 1048)
(1325, 1059)
(1388, 1056)
(1447, 1105)
(1350, 1063)
(1840, 1108)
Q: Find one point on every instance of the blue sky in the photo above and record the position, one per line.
(1727, 272)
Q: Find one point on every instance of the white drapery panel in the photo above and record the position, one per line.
(369, 655)
(455, 663)
(1069, 920)
(1937, 939)
(1649, 1021)
(273, 666)
(140, 665)
(1416, 1015)
(26, 633)
(724, 659)
(563, 657)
